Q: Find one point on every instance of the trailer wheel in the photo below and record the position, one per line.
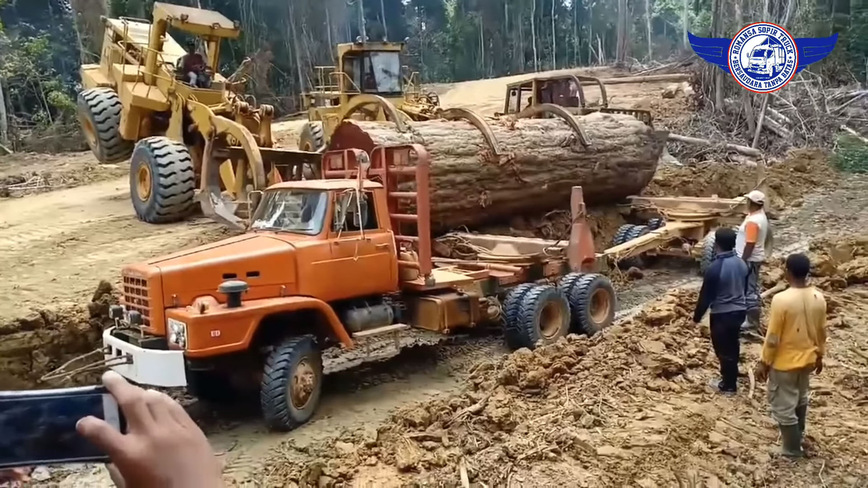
(99, 113)
(162, 181)
(291, 383)
(621, 235)
(635, 232)
(312, 137)
(707, 252)
(593, 302)
(656, 223)
(512, 302)
(209, 386)
(543, 318)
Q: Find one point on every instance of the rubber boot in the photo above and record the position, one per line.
(791, 440)
(802, 414)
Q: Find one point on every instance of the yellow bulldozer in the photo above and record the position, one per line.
(190, 133)
(368, 82)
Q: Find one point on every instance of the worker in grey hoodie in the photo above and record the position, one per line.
(723, 291)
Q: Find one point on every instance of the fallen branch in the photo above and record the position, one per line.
(853, 133)
(777, 128)
(774, 290)
(5, 150)
(759, 125)
(747, 151)
(642, 79)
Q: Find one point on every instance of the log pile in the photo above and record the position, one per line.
(540, 160)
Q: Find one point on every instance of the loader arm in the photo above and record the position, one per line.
(215, 167)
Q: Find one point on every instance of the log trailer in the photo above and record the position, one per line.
(567, 91)
(681, 227)
(187, 143)
(335, 272)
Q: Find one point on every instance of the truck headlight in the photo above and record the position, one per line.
(178, 333)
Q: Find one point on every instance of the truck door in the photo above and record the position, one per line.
(361, 265)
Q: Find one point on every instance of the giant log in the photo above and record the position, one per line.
(539, 161)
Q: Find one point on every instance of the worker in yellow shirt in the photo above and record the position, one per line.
(794, 347)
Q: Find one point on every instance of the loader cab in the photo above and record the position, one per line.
(209, 28)
(568, 91)
(371, 68)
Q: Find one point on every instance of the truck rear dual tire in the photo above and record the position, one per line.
(627, 233)
(99, 113)
(162, 180)
(291, 383)
(592, 303)
(539, 316)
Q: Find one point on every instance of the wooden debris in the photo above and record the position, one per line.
(747, 151)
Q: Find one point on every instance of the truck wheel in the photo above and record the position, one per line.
(707, 253)
(162, 180)
(291, 383)
(543, 318)
(99, 113)
(209, 386)
(312, 137)
(635, 232)
(512, 302)
(566, 283)
(593, 304)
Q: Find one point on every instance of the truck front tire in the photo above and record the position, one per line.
(291, 383)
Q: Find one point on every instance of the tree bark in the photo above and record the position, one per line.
(4, 122)
(684, 22)
(621, 45)
(533, 36)
(554, 40)
(541, 162)
(648, 26)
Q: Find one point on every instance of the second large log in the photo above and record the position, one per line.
(541, 160)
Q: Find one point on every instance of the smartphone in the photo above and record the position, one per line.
(38, 426)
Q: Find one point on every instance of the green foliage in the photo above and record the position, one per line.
(851, 154)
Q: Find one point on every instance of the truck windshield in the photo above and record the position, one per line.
(296, 211)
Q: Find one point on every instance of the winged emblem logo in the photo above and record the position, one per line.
(763, 57)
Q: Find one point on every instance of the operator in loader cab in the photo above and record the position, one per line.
(194, 68)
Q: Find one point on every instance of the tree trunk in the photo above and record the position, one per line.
(684, 20)
(383, 14)
(621, 45)
(541, 162)
(4, 123)
(746, 99)
(554, 40)
(648, 26)
(533, 36)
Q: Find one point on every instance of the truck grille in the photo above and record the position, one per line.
(135, 297)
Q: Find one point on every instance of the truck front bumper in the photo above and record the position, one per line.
(153, 367)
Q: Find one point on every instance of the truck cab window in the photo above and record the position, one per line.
(296, 211)
(355, 220)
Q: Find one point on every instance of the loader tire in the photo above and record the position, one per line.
(312, 137)
(291, 383)
(99, 113)
(656, 223)
(162, 180)
(543, 318)
(512, 302)
(593, 303)
(634, 232)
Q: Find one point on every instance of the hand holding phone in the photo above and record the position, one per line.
(162, 445)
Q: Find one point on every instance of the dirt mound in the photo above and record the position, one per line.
(786, 182)
(629, 406)
(33, 345)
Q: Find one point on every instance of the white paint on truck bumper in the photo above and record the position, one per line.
(151, 367)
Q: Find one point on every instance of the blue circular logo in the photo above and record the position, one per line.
(762, 57)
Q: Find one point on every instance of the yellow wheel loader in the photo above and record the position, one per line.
(367, 83)
(190, 133)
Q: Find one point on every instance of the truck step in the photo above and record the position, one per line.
(380, 330)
